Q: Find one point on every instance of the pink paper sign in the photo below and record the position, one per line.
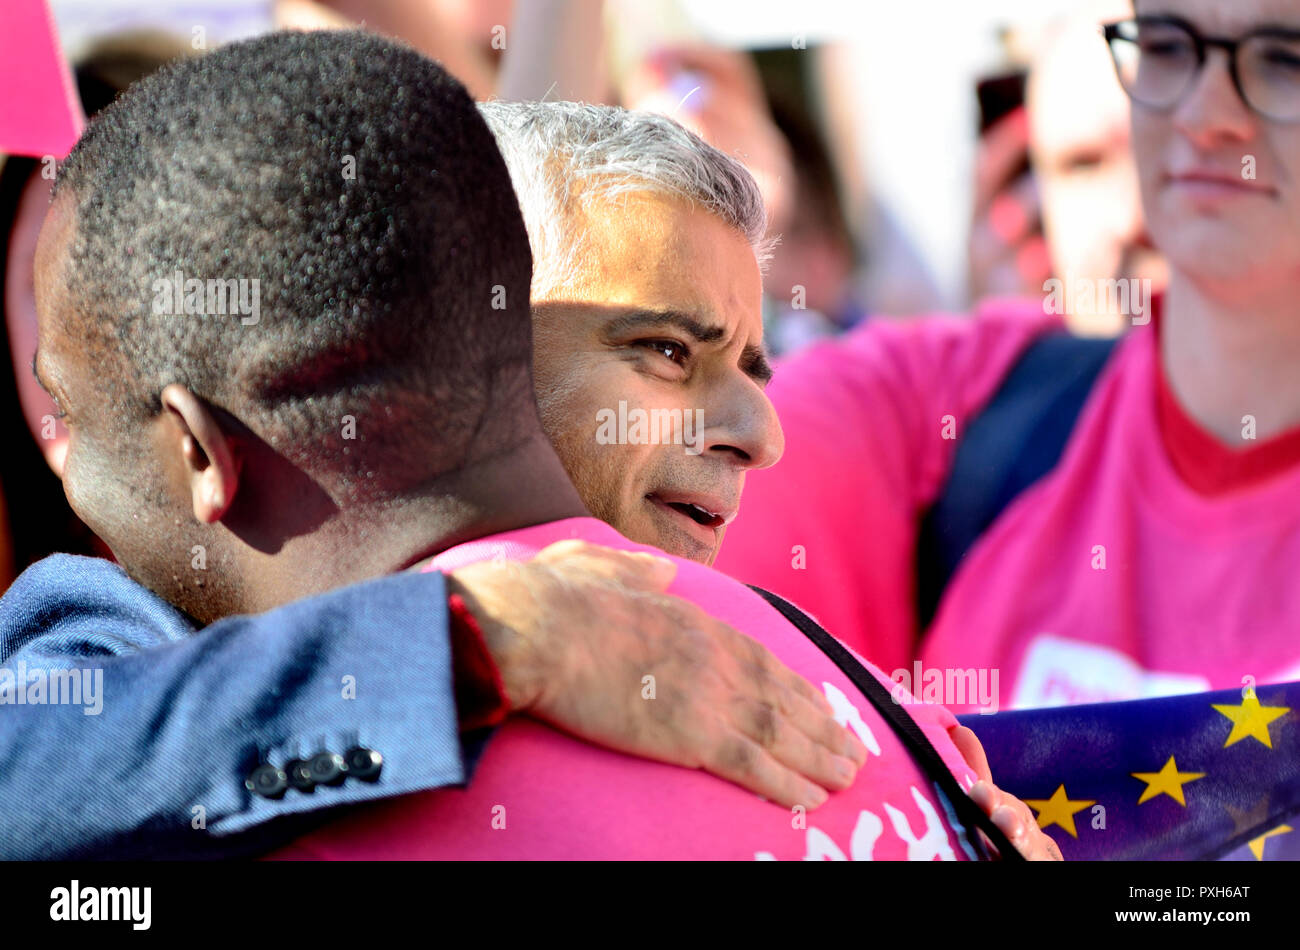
(40, 113)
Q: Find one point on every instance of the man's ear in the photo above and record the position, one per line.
(210, 461)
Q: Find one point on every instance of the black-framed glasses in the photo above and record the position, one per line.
(1159, 58)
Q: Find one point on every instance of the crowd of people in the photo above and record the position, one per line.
(402, 408)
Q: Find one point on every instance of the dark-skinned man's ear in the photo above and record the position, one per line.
(211, 464)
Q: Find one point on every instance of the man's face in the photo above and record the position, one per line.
(112, 473)
(1079, 137)
(650, 371)
(1204, 212)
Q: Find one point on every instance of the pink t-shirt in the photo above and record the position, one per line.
(540, 794)
(1108, 579)
(871, 422)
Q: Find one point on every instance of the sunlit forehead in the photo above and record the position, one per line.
(1216, 18)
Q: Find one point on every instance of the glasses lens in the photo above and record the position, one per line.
(1155, 61)
(1269, 67)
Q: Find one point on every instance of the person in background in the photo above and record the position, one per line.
(1151, 555)
(469, 38)
(1081, 185)
(1083, 160)
(811, 287)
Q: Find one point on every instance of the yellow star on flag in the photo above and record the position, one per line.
(1257, 844)
(1058, 810)
(1251, 719)
(1168, 781)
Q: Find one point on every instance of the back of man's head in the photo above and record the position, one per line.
(335, 210)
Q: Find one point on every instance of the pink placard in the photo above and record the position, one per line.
(40, 113)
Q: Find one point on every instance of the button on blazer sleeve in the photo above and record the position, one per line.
(149, 757)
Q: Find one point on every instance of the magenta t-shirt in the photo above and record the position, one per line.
(1108, 579)
(540, 794)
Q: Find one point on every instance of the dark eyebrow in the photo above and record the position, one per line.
(1285, 30)
(658, 319)
(753, 361)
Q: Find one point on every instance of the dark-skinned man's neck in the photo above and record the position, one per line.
(520, 487)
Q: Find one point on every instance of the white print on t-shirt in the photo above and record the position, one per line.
(846, 714)
(1060, 672)
(932, 844)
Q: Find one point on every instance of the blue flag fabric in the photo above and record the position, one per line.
(1203, 776)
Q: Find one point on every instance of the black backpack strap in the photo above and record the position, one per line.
(970, 814)
(1012, 443)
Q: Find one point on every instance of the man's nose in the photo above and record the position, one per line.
(742, 422)
(1212, 110)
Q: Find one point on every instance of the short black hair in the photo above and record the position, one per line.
(357, 182)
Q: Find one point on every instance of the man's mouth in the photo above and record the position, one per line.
(706, 512)
(697, 514)
(1213, 182)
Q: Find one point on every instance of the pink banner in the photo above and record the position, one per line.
(39, 110)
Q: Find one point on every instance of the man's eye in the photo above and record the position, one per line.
(669, 348)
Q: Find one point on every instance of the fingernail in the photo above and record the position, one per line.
(845, 768)
(816, 796)
(1006, 819)
(981, 794)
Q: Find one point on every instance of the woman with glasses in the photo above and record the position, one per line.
(1142, 540)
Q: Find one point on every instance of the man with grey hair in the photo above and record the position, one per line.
(648, 248)
(648, 359)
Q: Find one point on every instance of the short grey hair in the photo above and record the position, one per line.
(559, 153)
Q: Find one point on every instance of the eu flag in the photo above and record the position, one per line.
(1202, 776)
